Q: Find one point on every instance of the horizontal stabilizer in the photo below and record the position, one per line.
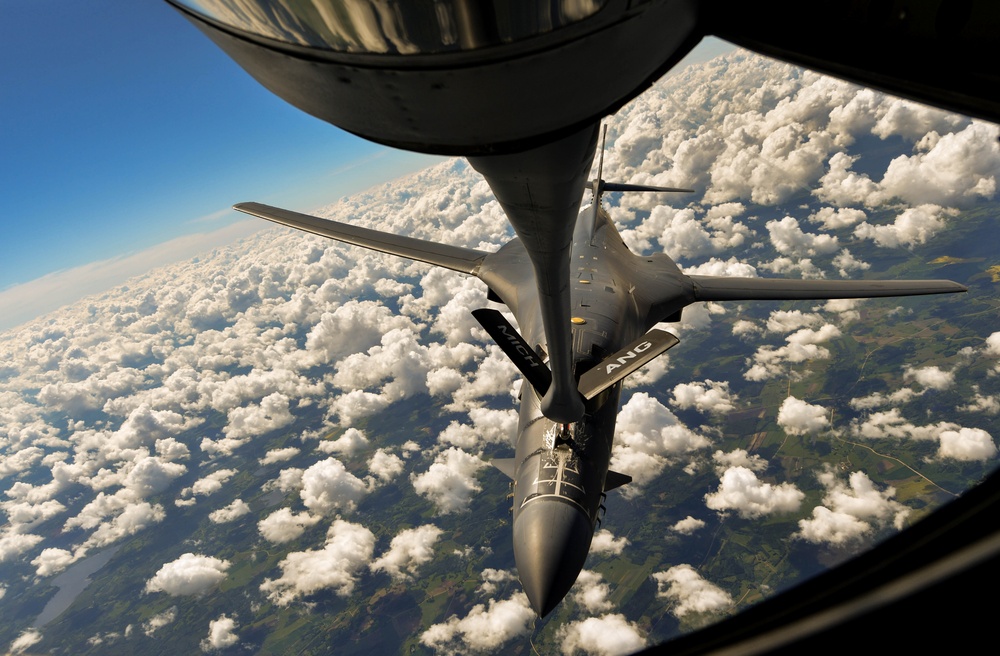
(507, 466)
(626, 361)
(520, 353)
(456, 258)
(722, 288)
(619, 186)
(614, 479)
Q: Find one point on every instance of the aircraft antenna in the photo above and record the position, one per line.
(598, 186)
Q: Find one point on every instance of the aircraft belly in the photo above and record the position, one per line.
(569, 468)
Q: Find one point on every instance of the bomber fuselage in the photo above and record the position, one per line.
(560, 470)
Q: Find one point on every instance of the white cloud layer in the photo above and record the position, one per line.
(851, 511)
(740, 490)
(189, 575)
(450, 481)
(607, 635)
(796, 417)
(485, 628)
(410, 549)
(688, 592)
(648, 438)
(688, 525)
(348, 550)
(284, 526)
(221, 634)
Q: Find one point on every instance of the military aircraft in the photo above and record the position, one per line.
(560, 469)
(519, 88)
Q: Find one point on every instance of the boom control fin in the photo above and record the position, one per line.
(626, 361)
(518, 350)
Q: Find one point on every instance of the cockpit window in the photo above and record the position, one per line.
(396, 26)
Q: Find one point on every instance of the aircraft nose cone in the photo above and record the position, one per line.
(551, 542)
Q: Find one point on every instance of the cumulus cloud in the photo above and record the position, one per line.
(740, 490)
(450, 481)
(846, 262)
(789, 239)
(851, 511)
(487, 425)
(158, 621)
(410, 549)
(590, 592)
(786, 321)
(738, 458)
(25, 640)
(683, 235)
(129, 518)
(347, 444)
(229, 513)
(796, 417)
(955, 442)
(221, 634)
(485, 628)
(986, 404)
(913, 120)
(210, 483)
(956, 169)
(492, 579)
(716, 267)
(53, 560)
(353, 327)
(608, 635)
(914, 226)
(189, 575)
(745, 329)
(710, 396)
(257, 419)
(398, 367)
(802, 346)
(834, 218)
(688, 592)
(606, 544)
(348, 549)
(288, 480)
(878, 399)
(284, 526)
(688, 525)
(841, 186)
(649, 437)
(356, 405)
(327, 487)
(279, 455)
(969, 444)
(931, 377)
(993, 344)
(385, 466)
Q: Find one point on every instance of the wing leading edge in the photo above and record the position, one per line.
(721, 288)
(456, 258)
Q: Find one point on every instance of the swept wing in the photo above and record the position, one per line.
(456, 258)
(722, 288)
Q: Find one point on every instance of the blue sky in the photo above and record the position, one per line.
(123, 127)
(126, 131)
